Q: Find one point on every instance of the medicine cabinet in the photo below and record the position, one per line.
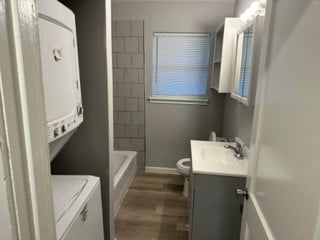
(224, 55)
(247, 61)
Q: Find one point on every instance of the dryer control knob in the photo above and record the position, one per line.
(56, 132)
(79, 110)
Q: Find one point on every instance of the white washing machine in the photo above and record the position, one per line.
(77, 207)
(77, 199)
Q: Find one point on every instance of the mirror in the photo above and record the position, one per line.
(246, 61)
(243, 69)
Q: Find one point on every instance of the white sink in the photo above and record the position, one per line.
(212, 158)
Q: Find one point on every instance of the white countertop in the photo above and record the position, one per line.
(212, 158)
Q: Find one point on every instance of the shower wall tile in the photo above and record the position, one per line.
(131, 104)
(129, 87)
(137, 28)
(137, 60)
(131, 75)
(118, 75)
(132, 131)
(124, 60)
(138, 118)
(137, 90)
(123, 29)
(131, 45)
(117, 44)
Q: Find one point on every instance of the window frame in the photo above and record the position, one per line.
(181, 99)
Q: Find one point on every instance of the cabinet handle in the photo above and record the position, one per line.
(242, 193)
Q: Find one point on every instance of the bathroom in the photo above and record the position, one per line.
(149, 153)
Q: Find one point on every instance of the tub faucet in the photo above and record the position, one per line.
(238, 151)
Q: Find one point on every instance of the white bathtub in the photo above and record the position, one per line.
(124, 169)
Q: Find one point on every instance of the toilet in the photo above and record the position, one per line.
(183, 167)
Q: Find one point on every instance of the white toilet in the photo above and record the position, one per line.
(183, 167)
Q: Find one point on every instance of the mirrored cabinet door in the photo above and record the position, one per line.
(247, 61)
(243, 62)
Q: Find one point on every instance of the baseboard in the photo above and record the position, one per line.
(161, 170)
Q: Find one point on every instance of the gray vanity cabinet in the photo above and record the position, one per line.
(214, 209)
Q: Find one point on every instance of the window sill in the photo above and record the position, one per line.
(179, 100)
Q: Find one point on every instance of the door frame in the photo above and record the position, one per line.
(109, 68)
(23, 132)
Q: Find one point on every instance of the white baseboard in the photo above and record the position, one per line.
(161, 170)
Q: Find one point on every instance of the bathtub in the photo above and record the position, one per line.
(124, 165)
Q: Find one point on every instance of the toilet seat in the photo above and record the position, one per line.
(183, 166)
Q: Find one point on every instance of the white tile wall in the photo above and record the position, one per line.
(118, 75)
(124, 90)
(124, 60)
(119, 131)
(131, 75)
(138, 144)
(124, 118)
(137, 90)
(141, 76)
(141, 45)
(124, 143)
(131, 105)
(117, 44)
(137, 60)
(118, 104)
(123, 29)
(114, 60)
(137, 28)
(132, 131)
(141, 104)
(129, 88)
(131, 45)
(115, 90)
(141, 131)
(138, 118)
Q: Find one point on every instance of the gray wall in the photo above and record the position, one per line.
(128, 87)
(169, 127)
(87, 152)
(238, 117)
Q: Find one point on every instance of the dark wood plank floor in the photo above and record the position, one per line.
(153, 209)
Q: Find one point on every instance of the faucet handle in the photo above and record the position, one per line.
(238, 145)
(238, 142)
(239, 150)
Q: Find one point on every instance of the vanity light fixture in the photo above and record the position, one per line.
(255, 9)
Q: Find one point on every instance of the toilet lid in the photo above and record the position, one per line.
(65, 193)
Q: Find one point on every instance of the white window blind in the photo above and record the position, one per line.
(180, 64)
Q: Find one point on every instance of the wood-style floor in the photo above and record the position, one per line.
(153, 209)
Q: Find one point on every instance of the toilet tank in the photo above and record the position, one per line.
(60, 72)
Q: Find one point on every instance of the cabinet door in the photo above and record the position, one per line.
(224, 55)
(190, 204)
(216, 209)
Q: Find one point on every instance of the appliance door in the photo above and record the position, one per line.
(88, 224)
(58, 69)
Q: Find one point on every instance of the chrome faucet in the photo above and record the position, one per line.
(238, 151)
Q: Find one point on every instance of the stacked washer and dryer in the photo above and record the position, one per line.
(77, 199)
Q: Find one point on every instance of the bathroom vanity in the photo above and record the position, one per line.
(214, 209)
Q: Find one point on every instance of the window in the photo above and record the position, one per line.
(180, 66)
